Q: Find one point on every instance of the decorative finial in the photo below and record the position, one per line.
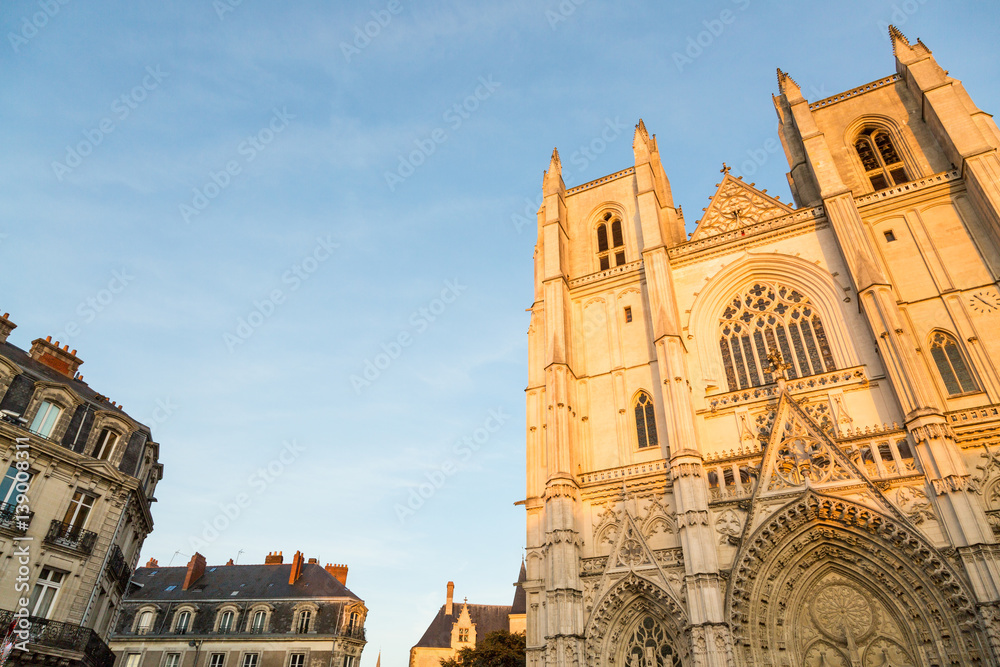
(778, 367)
(725, 168)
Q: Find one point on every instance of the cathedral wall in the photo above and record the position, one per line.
(583, 212)
(900, 112)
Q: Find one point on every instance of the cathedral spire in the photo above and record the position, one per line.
(552, 179)
(788, 87)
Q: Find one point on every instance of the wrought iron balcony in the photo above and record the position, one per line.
(70, 536)
(11, 520)
(355, 632)
(60, 637)
(118, 569)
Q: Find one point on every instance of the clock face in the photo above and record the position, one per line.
(984, 301)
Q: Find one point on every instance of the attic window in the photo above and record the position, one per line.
(170, 588)
(234, 593)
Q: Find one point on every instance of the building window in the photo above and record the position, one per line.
(302, 626)
(218, 660)
(10, 487)
(105, 444)
(354, 622)
(78, 511)
(44, 594)
(132, 660)
(628, 313)
(226, 622)
(250, 659)
(768, 319)
(45, 419)
(616, 248)
(348, 661)
(183, 622)
(173, 660)
(890, 236)
(645, 421)
(297, 660)
(882, 164)
(951, 365)
(463, 635)
(259, 620)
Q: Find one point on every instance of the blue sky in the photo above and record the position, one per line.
(285, 201)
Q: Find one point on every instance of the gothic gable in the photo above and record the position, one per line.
(737, 204)
(799, 456)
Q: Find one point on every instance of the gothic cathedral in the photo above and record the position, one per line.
(776, 441)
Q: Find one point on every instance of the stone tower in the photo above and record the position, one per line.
(776, 442)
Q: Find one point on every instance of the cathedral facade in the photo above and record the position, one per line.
(776, 441)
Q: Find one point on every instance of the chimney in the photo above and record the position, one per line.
(6, 326)
(313, 561)
(297, 562)
(451, 596)
(230, 562)
(60, 359)
(196, 568)
(274, 558)
(152, 563)
(339, 572)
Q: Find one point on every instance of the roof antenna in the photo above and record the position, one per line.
(238, 554)
(176, 553)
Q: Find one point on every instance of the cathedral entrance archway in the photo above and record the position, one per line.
(826, 581)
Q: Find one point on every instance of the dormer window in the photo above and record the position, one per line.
(463, 635)
(302, 627)
(45, 419)
(616, 248)
(106, 442)
(881, 161)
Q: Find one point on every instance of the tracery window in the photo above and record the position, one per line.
(770, 318)
(617, 245)
(880, 159)
(951, 365)
(650, 647)
(645, 421)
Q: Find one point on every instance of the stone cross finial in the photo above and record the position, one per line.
(725, 168)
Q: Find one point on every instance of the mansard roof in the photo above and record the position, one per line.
(737, 204)
(249, 582)
(487, 618)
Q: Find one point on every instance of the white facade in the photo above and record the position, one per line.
(694, 498)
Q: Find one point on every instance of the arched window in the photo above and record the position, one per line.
(145, 623)
(226, 622)
(645, 421)
(880, 159)
(771, 318)
(183, 622)
(259, 622)
(650, 646)
(617, 245)
(951, 365)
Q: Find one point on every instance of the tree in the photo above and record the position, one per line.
(497, 649)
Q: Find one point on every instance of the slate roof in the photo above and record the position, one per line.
(38, 371)
(251, 582)
(487, 618)
(520, 604)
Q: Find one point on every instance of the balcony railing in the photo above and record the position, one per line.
(11, 520)
(118, 569)
(45, 634)
(350, 633)
(355, 632)
(70, 536)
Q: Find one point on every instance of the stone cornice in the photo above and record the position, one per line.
(854, 92)
(756, 231)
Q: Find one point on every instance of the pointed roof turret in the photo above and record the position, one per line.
(520, 603)
(788, 87)
(552, 179)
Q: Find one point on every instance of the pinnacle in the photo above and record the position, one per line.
(786, 84)
(896, 36)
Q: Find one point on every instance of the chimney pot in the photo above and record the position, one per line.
(274, 558)
(338, 572)
(55, 357)
(6, 326)
(297, 562)
(449, 607)
(48, 339)
(313, 561)
(152, 563)
(195, 568)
